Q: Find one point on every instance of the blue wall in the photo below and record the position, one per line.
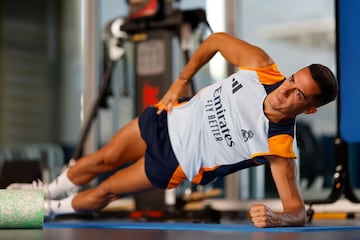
(349, 68)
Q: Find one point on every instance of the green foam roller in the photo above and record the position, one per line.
(21, 208)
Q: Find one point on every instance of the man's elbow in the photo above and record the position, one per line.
(300, 218)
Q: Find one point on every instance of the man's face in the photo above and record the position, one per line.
(295, 95)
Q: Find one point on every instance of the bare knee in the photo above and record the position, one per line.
(107, 161)
(97, 161)
(93, 199)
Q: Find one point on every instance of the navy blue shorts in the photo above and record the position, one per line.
(160, 160)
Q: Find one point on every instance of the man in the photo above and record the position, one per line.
(243, 121)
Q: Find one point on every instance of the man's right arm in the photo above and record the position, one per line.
(236, 51)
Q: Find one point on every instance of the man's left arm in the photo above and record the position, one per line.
(294, 214)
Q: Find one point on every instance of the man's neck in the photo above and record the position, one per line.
(275, 116)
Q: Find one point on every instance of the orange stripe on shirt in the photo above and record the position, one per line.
(282, 145)
(177, 178)
(197, 179)
(267, 75)
(279, 145)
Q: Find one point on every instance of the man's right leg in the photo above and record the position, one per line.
(128, 180)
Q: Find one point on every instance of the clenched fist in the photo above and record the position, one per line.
(262, 216)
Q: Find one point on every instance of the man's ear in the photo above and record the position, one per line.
(310, 110)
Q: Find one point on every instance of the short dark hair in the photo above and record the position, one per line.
(327, 82)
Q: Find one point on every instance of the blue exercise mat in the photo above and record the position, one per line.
(193, 227)
(348, 64)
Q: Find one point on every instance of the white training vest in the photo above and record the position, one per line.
(223, 124)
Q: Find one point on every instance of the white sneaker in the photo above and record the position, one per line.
(35, 185)
(48, 212)
(39, 185)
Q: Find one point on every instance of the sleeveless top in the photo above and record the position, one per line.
(223, 127)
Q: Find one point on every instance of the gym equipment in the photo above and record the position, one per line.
(152, 36)
(21, 208)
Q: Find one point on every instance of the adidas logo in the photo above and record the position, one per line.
(235, 86)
